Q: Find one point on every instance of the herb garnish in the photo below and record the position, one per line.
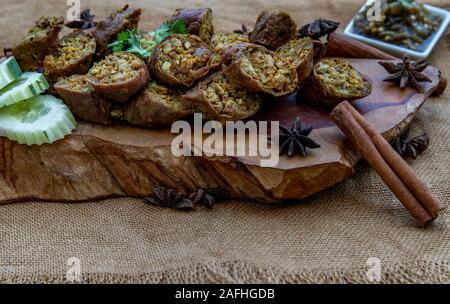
(131, 41)
(167, 29)
(142, 45)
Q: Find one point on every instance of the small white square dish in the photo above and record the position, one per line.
(397, 50)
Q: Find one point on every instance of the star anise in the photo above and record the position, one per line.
(169, 198)
(243, 31)
(406, 72)
(202, 197)
(86, 21)
(318, 28)
(413, 147)
(296, 140)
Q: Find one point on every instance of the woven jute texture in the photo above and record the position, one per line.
(326, 238)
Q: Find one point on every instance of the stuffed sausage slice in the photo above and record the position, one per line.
(156, 107)
(108, 29)
(73, 55)
(220, 100)
(31, 50)
(78, 94)
(301, 53)
(333, 81)
(258, 70)
(199, 21)
(119, 76)
(273, 29)
(181, 60)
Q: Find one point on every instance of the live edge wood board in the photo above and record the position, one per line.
(101, 162)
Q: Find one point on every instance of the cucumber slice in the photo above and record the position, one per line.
(28, 85)
(36, 121)
(9, 72)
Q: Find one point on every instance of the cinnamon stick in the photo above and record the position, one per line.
(339, 45)
(423, 194)
(346, 121)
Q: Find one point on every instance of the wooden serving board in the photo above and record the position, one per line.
(99, 162)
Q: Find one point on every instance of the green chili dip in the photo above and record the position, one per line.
(402, 22)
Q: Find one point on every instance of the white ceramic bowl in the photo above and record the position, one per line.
(396, 50)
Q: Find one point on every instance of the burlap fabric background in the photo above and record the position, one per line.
(326, 238)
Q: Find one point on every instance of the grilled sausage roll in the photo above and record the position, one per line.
(31, 50)
(273, 29)
(258, 70)
(156, 107)
(80, 97)
(181, 60)
(221, 41)
(220, 100)
(199, 21)
(73, 55)
(108, 29)
(119, 76)
(301, 53)
(333, 81)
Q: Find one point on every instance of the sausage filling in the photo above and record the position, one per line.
(273, 71)
(116, 68)
(221, 41)
(170, 97)
(296, 50)
(43, 27)
(340, 78)
(207, 27)
(73, 48)
(228, 100)
(184, 58)
(75, 83)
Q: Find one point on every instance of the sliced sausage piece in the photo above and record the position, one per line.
(119, 76)
(273, 29)
(181, 60)
(108, 29)
(199, 21)
(73, 55)
(258, 70)
(40, 41)
(218, 99)
(333, 81)
(156, 107)
(301, 53)
(79, 96)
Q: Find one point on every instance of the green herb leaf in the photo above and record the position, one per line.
(133, 42)
(179, 27)
(130, 41)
